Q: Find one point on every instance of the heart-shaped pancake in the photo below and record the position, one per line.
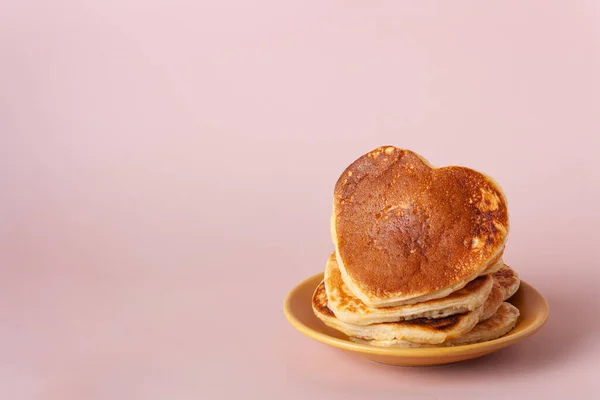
(406, 232)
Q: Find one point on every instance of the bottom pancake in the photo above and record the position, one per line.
(500, 324)
(420, 330)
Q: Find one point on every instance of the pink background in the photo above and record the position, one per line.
(167, 170)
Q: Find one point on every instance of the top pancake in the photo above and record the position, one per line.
(406, 232)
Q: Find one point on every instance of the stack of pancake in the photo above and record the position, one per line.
(418, 255)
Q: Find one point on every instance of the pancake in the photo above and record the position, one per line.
(493, 302)
(495, 265)
(406, 232)
(351, 310)
(509, 280)
(420, 330)
(500, 324)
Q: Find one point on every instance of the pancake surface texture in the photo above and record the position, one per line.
(509, 280)
(493, 302)
(350, 309)
(500, 324)
(421, 330)
(406, 232)
(495, 265)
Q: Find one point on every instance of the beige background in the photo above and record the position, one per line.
(167, 169)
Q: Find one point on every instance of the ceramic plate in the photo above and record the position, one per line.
(298, 310)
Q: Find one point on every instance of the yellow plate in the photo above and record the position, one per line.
(298, 310)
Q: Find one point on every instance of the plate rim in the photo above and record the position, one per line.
(503, 341)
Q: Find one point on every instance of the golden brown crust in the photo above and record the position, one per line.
(403, 228)
(319, 301)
